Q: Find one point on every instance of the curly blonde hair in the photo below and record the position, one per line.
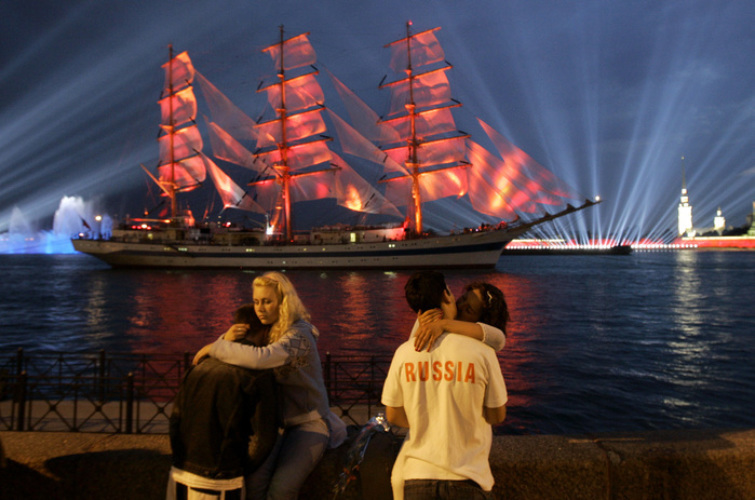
(290, 309)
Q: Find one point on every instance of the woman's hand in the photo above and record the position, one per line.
(201, 354)
(236, 332)
(431, 326)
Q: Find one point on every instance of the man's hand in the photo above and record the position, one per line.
(203, 353)
(430, 328)
(236, 332)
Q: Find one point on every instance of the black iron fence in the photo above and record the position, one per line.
(134, 393)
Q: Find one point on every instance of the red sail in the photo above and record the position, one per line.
(434, 185)
(503, 177)
(486, 199)
(542, 179)
(428, 89)
(179, 72)
(355, 193)
(427, 123)
(188, 174)
(299, 157)
(425, 49)
(184, 105)
(447, 150)
(314, 186)
(186, 142)
(297, 52)
(301, 93)
(298, 126)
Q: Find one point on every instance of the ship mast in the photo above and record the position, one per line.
(171, 192)
(412, 162)
(180, 167)
(282, 167)
(292, 143)
(431, 146)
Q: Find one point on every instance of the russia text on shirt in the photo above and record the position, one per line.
(447, 371)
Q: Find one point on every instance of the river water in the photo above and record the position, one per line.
(597, 343)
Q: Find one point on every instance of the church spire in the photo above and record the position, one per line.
(685, 209)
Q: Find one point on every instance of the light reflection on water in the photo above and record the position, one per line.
(595, 344)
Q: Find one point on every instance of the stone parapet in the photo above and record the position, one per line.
(700, 464)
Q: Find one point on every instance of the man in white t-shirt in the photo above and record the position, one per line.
(448, 397)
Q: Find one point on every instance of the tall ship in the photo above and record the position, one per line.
(414, 154)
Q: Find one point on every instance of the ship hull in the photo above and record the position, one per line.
(468, 250)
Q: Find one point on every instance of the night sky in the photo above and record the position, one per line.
(609, 95)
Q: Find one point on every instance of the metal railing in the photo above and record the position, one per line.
(134, 393)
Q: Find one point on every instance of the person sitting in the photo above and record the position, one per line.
(223, 424)
(309, 426)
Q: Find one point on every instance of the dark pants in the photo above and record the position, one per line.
(426, 489)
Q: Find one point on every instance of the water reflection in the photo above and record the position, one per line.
(595, 344)
(358, 313)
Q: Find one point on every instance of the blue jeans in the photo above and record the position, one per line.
(427, 489)
(295, 455)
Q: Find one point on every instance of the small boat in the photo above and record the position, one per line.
(415, 152)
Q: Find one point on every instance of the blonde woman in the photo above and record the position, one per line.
(309, 427)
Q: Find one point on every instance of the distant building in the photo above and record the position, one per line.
(717, 237)
(719, 222)
(685, 209)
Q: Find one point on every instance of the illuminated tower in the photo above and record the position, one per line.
(719, 221)
(685, 209)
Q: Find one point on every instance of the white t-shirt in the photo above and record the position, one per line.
(443, 393)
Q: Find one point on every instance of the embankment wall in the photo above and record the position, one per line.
(701, 464)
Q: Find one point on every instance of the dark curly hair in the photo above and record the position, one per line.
(495, 312)
(258, 333)
(424, 290)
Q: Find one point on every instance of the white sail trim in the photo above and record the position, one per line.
(231, 194)
(226, 114)
(353, 143)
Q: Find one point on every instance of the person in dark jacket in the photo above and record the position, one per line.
(223, 424)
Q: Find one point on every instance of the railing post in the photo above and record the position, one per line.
(19, 361)
(76, 388)
(21, 389)
(101, 376)
(129, 402)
